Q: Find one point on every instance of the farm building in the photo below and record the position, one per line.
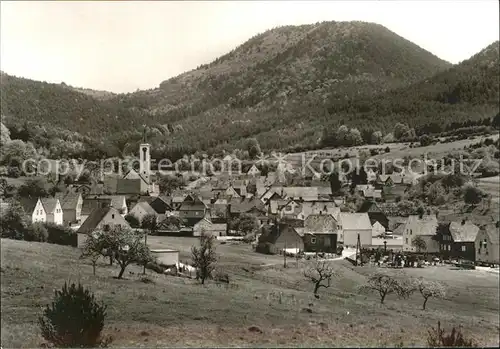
(487, 245)
(276, 237)
(320, 233)
(353, 224)
(424, 226)
(166, 257)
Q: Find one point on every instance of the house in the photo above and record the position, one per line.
(100, 219)
(457, 240)
(90, 204)
(192, 207)
(53, 210)
(378, 229)
(72, 204)
(117, 201)
(253, 171)
(487, 245)
(206, 226)
(290, 209)
(424, 226)
(319, 207)
(276, 237)
(161, 206)
(375, 213)
(320, 233)
(351, 225)
(34, 209)
(141, 210)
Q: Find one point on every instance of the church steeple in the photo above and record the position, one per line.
(144, 140)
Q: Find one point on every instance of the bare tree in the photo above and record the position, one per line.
(320, 274)
(384, 285)
(204, 257)
(429, 289)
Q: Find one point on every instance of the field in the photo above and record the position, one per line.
(491, 185)
(178, 312)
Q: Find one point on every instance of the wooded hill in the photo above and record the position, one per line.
(284, 87)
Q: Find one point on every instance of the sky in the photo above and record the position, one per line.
(122, 46)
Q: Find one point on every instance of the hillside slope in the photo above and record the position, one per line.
(283, 86)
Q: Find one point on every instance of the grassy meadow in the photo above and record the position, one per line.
(177, 312)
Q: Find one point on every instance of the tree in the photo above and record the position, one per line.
(253, 148)
(436, 194)
(246, 224)
(74, 320)
(335, 183)
(169, 183)
(384, 284)
(13, 223)
(93, 249)
(400, 130)
(320, 274)
(125, 246)
(4, 134)
(204, 257)
(496, 121)
(419, 243)
(376, 137)
(34, 188)
(15, 152)
(472, 195)
(425, 140)
(150, 225)
(36, 232)
(429, 289)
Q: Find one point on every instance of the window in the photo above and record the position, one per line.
(463, 248)
(442, 246)
(411, 232)
(313, 240)
(449, 247)
(113, 216)
(406, 240)
(479, 251)
(106, 227)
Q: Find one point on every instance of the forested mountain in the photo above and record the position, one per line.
(284, 87)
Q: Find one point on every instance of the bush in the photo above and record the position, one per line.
(74, 319)
(438, 338)
(61, 235)
(387, 149)
(266, 248)
(36, 232)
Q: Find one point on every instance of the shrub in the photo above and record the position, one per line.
(61, 235)
(387, 149)
(36, 232)
(74, 319)
(266, 248)
(438, 338)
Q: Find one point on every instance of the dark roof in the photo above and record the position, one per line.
(90, 204)
(69, 201)
(94, 219)
(28, 204)
(369, 206)
(271, 233)
(190, 222)
(49, 204)
(160, 205)
(128, 186)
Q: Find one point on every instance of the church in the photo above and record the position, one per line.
(134, 182)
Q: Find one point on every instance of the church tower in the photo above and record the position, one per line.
(145, 159)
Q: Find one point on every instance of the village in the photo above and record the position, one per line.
(272, 214)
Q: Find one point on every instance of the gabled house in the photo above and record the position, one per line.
(53, 210)
(351, 225)
(100, 219)
(274, 238)
(319, 207)
(320, 233)
(117, 201)
(34, 209)
(141, 210)
(291, 209)
(253, 171)
(487, 245)
(90, 204)
(378, 229)
(192, 207)
(424, 226)
(207, 226)
(374, 213)
(161, 206)
(457, 240)
(72, 204)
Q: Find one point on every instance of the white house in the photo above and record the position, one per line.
(53, 210)
(353, 224)
(100, 219)
(377, 229)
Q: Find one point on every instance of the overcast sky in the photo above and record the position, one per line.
(122, 46)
